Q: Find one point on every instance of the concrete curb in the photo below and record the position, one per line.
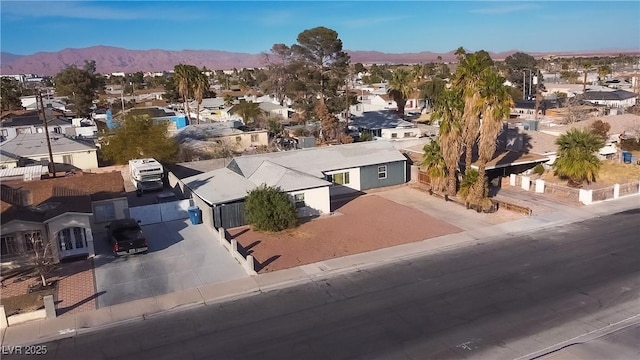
(37, 332)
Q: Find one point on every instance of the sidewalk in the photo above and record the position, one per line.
(37, 332)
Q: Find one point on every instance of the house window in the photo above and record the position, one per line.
(32, 239)
(66, 159)
(394, 135)
(341, 178)
(8, 245)
(4, 133)
(80, 236)
(299, 200)
(382, 172)
(254, 138)
(64, 239)
(407, 134)
(104, 212)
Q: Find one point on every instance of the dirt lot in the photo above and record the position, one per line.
(367, 223)
(611, 172)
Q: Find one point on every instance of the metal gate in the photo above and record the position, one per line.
(229, 215)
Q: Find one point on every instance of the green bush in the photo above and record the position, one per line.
(630, 144)
(269, 209)
(539, 169)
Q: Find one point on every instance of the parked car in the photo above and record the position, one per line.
(126, 237)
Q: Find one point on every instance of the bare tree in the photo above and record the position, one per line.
(574, 112)
(39, 254)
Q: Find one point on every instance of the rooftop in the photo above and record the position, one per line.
(383, 119)
(609, 95)
(40, 200)
(30, 145)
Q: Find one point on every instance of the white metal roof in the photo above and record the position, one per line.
(29, 145)
(275, 175)
(35, 171)
(219, 186)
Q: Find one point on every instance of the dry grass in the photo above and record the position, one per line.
(28, 302)
(611, 172)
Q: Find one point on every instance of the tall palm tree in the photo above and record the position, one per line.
(434, 165)
(497, 103)
(200, 86)
(577, 160)
(586, 67)
(400, 88)
(468, 78)
(448, 110)
(460, 54)
(184, 76)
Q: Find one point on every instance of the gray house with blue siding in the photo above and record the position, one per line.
(310, 176)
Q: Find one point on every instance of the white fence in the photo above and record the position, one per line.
(157, 213)
(585, 196)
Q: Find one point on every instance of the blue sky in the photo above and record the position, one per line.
(254, 26)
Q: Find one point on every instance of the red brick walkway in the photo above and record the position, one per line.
(76, 287)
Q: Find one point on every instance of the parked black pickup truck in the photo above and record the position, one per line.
(126, 237)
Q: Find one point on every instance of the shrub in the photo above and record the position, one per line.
(539, 169)
(269, 209)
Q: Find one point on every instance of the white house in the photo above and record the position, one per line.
(311, 177)
(33, 148)
(614, 99)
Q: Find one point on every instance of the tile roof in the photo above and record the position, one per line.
(40, 200)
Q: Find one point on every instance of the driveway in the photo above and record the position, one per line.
(180, 256)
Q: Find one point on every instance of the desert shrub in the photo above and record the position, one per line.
(539, 169)
(630, 144)
(269, 209)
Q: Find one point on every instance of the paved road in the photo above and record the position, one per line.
(501, 300)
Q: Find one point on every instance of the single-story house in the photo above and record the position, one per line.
(311, 177)
(176, 120)
(615, 99)
(275, 109)
(385, 124)
(13, 123)
(66, 211)
(29, 148)
(229, 133)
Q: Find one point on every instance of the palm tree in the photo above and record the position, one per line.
(200, 86)
(603, 71)
(448, 110)
(460, 54)
(400, 88)
(468, 78)
(228, 100)
(586, 67)
(184, 76)
(434, 165)
(248, 110)
(577, 160)
(497, 103)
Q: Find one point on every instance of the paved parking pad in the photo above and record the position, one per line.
(181, 256)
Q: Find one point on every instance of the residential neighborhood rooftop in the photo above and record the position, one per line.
(315, 161)
(383, 119)
(29, 145)
(39, 200)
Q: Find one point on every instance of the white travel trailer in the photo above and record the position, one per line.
(146, 174)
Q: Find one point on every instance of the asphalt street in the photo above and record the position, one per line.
(504, 299)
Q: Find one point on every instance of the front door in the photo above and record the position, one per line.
(72, 241)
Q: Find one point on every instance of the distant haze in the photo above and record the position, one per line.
(114, 59)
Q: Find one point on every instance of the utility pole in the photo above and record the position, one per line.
(52, 165)
(524, 84)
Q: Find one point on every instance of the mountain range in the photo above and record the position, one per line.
(113, 59)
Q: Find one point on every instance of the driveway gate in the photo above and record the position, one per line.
(229, 215)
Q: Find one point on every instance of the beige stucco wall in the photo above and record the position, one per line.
(241, 142)
(207, 211)
(84, 160)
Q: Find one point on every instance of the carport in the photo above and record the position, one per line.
(181, 256)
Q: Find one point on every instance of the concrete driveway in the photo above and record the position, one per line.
(181, 256)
